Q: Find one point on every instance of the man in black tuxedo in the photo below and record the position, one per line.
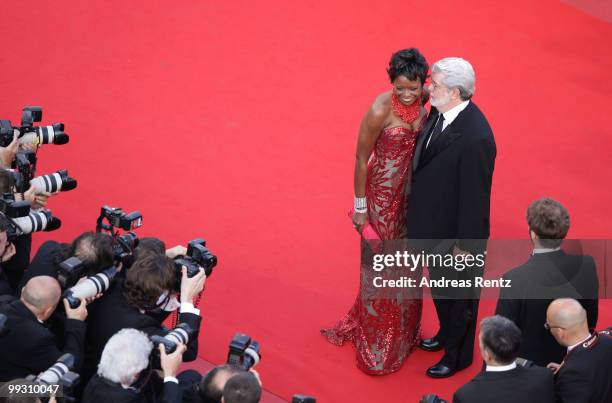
(503, 380)
(549, 274)
(449, 200)
(28, 346)
(584, 374)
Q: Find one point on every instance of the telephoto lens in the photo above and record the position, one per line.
(303, 399)
(180, 334)
(90, 287)
(37, 221)
(57, 371)
(55, 182)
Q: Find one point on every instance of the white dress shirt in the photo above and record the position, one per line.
(545, 250)
(501, 368)
(570, 348)
(452, 113)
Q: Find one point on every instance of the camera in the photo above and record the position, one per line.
(197, 256)
(70, 271)
(59, 374)
(303, 399)
(30, 134)
(123, 245)
(180, 334)
(23, 220)
(431, 398)
(243, 352)
(55, 182)
(90, 287)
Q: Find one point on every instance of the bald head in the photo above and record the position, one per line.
(41, 293)
(566, 312)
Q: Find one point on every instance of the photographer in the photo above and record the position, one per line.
(7, 251)
(125, 373)
(242, 388)
(148, 288)
(29, 347)
(93, 249)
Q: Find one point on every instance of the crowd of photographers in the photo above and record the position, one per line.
(92, 315)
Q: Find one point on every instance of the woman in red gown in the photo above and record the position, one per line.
(384, 331)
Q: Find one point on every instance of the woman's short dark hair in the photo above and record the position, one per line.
(409, 63)
(549, 220)
(149, 277)
(501, 337)
(95, 250)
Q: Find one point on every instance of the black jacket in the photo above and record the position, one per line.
(101, 390)
(451, 183)
(30, 348)
(524, 385)
(534, 285)
(42, 264)
(112, 313)
(586, 373)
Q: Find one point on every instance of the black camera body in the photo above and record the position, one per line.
(70, 271)
(243, 352)
(182, 333)
(59, 374)
(23, 221)
(303, 399)
(123, 245)
(12, 208)
(198, 256)
(30, 134)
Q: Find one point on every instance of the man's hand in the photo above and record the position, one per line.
(9, 252)
(37, 200)
(7, 154)
(78, 313)
(178, 250)
(170, 363)
(190, 287)
(554, 367)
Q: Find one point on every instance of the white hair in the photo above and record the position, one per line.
(458, 73)
(125, 355)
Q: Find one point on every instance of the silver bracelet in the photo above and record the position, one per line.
(361, 205)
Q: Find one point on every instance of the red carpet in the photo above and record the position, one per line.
(237, 121)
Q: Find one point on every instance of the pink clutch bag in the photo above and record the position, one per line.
(368, 233)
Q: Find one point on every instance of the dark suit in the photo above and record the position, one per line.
(525, 385)
(43, 263)
(102, 390)
(112, 313)
(585, 374)
(30, 348)
(450, 198)
(534, 285)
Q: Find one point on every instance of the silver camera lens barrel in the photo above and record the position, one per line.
(253, 354)
(35, 221)
(47, 183)
(178, 335)
(53, 374)
(91, 286)
(46, 134)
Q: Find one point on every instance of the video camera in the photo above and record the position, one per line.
(23, 220)
(243, 352)
(30, 134)
(197, 256)
(123, 245)
(180, 334)
(59, 374)
(71, 270)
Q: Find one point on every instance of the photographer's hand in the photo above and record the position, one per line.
(170, 363)
(9, 252)
(7, 154)
(37, 200)
(178, 250)
(190, 287)
(78, 313)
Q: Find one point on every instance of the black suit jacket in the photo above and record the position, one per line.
(586, 373)
(42, 264)
(101, 390)
(30, 348)
(525, 385)
(112, 313)
(451, 186)
(534, 285)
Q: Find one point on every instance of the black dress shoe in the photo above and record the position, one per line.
(440, 371)
(430, 345)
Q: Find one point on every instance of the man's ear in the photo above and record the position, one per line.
(533, 235)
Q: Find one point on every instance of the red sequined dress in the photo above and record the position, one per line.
(384, 331)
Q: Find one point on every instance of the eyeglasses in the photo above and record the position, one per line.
(548, 327)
